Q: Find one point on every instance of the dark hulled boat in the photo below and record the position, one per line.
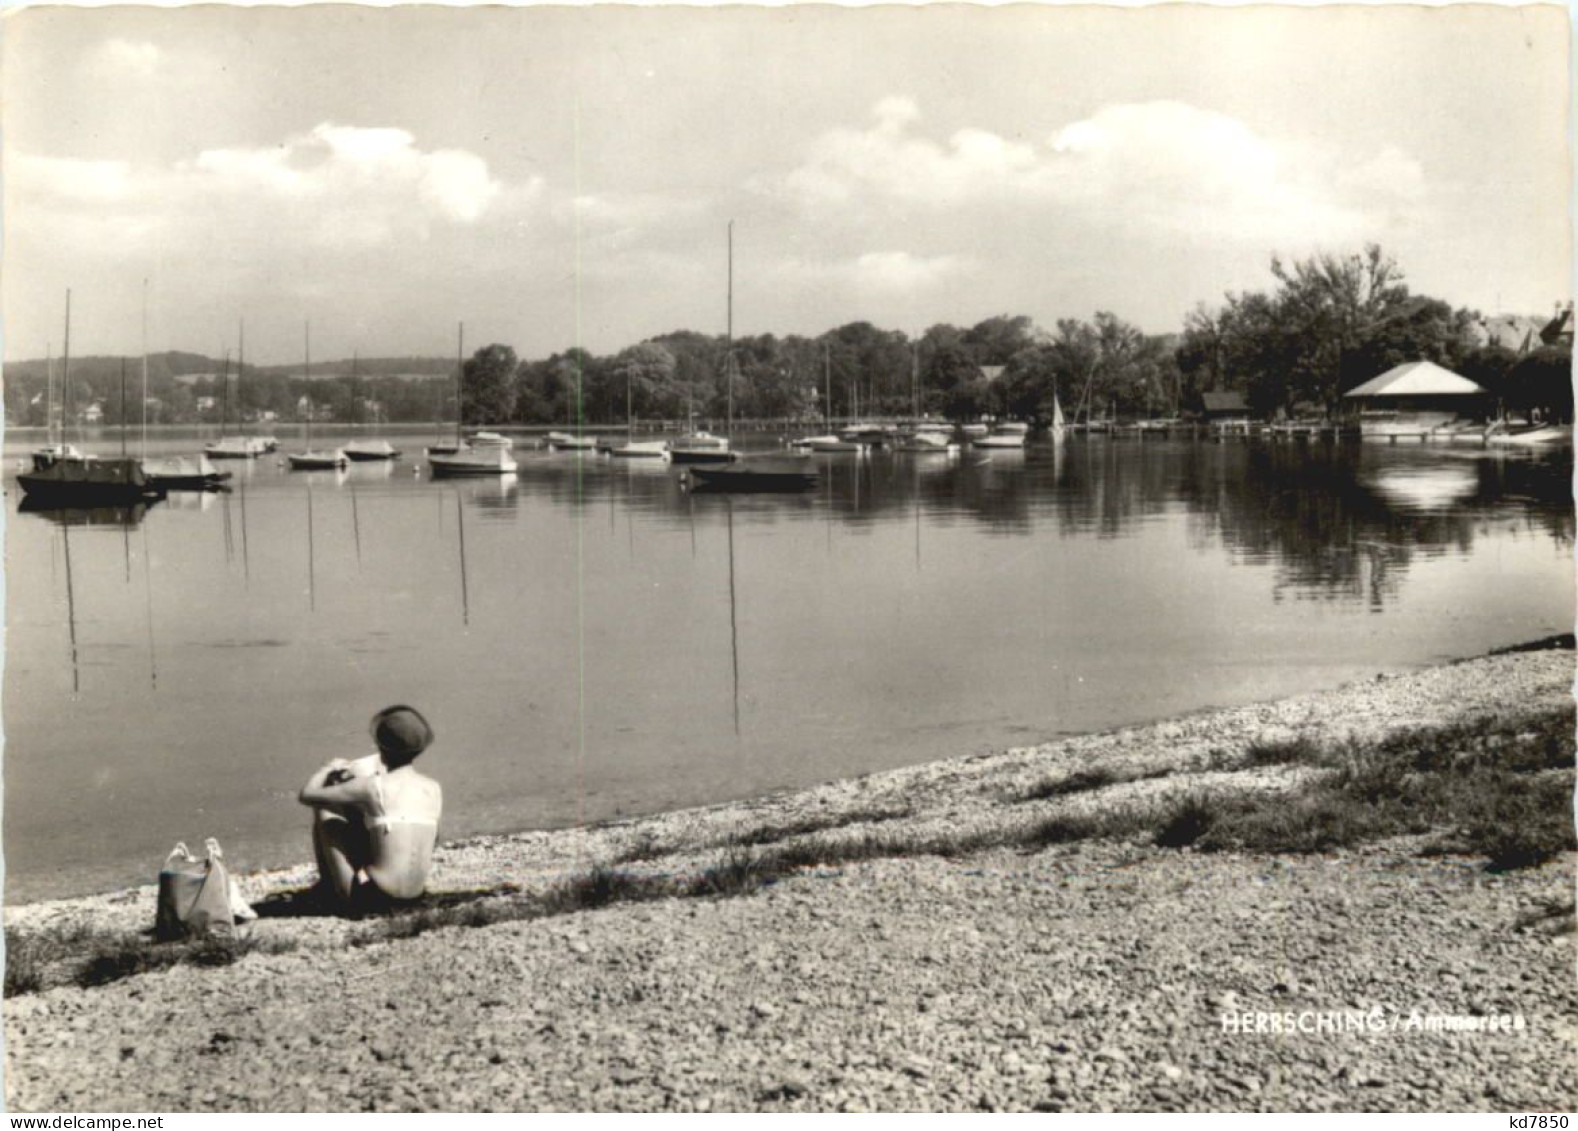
(787, 473)
(89, 482)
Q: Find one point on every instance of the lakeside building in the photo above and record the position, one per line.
(1417, 399)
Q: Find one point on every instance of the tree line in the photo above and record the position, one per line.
(1326, 324)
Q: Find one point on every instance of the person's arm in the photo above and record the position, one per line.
(334, 787)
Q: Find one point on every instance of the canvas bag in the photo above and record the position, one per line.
(199, 897)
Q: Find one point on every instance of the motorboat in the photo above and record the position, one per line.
(472, 461)
(490, 440)
(184, 473)
(367, 451)
(1010, 435)
(564, 442)
(641, 449)
(926, 443)
(334, 460)
(1533, 436)
(236, 447)
(832, 444)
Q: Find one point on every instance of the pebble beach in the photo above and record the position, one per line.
(1105, 974)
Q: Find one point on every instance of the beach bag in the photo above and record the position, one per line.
(200, 897)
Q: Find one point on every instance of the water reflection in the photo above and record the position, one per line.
(906, 608)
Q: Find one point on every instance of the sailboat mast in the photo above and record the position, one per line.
(49, 393)
(915, 380)
(224, 390)
(728, 357)
(306, 374)
(241, 365)
(143, 442)
(460, 368)
(123, 408)
(827, 375)
(65, 373)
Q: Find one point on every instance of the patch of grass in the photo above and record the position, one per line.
(1500, 787)
(1080, 781)
(127, 955)
(1301, 750)
(1188, 819)
(771, 834)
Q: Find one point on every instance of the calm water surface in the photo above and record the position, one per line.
(589, 640)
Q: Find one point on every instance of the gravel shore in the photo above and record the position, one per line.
(1096, 975)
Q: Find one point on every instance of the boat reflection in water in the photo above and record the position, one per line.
(119, 514)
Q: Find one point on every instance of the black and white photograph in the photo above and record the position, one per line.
(808, 558)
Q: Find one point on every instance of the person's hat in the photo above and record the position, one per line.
(401, 731)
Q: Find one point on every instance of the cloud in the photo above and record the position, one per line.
(332, 187)
(876, 271)
(1162, 166)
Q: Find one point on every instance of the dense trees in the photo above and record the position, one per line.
(1330, 323)
(1325, 324)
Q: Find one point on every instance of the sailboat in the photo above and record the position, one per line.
(311, 460)
(74, 479)
(485, 454)
(760, 473)
(52, 451)
(1059, 426)
(231, 447)
(365, 451)
(630, 449)
(925, 438)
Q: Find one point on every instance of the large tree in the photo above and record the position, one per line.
(487, 386)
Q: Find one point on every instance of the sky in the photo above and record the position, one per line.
(555, 177)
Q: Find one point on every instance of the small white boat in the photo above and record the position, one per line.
(318, 460)
(1535, 436)
(564, 442)
(489, 440)
(700, 441)
(832, 444)
(1011, 435)
(974, 429)
(234, 447)
(926, 443)
(642, 449)
(366, 451)
(183, 473)
(473, 461)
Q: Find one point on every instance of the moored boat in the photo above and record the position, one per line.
(1534, 436)
(184, 473)
(236, 447)
(473, 461)
(366, 451)
(89, 482)
(564, 442)
(1010, 435)
(831, 444)
(318, 460)
(642, 449)
(762, 473)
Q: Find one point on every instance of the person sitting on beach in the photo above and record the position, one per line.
(375, 819)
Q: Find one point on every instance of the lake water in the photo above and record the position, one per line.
(589, 640)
